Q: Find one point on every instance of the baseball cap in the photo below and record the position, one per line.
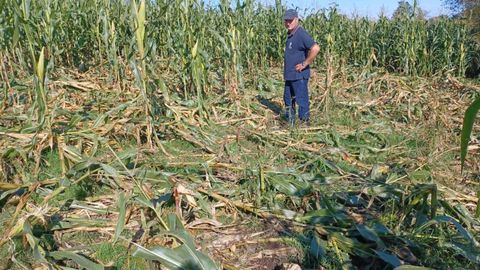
(290, 14)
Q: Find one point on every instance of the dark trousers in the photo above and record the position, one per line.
(296, 92)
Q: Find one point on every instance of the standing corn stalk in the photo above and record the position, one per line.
(329, 65)
(101, 31)
(141, 72)
(40, 104)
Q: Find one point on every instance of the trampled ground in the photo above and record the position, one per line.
(373, 181)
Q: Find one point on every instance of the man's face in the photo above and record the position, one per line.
(291, 24)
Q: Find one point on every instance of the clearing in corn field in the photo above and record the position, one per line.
(150, 135)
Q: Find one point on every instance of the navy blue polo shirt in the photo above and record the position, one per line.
(296, 51)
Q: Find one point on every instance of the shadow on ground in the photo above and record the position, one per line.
(274, 107)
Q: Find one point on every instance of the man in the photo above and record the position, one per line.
(300, 51)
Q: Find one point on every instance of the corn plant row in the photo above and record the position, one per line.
(231, 38)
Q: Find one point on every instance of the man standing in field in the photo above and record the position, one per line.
(300, 51)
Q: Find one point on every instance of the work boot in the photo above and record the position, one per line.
(304, 123)
(290, 115)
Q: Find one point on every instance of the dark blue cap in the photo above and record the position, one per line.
(290, 14)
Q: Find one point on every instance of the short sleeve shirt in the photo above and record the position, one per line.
(296, 51)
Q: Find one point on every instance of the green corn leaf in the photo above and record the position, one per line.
(41, 66)
(195, 50)
(174, 222)
(411, 267)
(177, 230)
(315, 216)
(137, 73)
(389, 258)
(350, 245)
(16, 37)
(381, 229)
(467, 251)
(170, 258)
(369, 234)
(83, 262)
(446, 219)
(220, 38)
(181, 258)
(38, 251)
(27, 9)
(318, 247)
(127, 153)
(110, 170)
(5, 194)
(468, 121)
(141, 20)
(283, 185)
(145, 202)
(102, 118)
(121, 216)
(140, 26)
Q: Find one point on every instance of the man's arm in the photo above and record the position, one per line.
(312, 53)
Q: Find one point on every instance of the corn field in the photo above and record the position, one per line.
(148, 135)
(189, 35)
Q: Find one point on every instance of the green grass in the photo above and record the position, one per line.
(118, 257)
(51, 167)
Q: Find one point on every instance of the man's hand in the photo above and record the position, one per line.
(312, 53)
(300, 67)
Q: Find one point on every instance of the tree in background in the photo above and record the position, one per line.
(469, 10)
(406, 9)
(460, 6)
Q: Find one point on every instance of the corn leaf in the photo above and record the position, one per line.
(83, 262)
(179, 258)
(41, 66)
(121, 216)
(8, 186)
(468, 121)
(446, 219)
(318, 247)
(111, 171)
(183, 257)
(411, 267)
(467, 251)
(369, 234)
(388, 258)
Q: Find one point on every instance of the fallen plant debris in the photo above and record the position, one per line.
(338, 191)
(133, 137)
